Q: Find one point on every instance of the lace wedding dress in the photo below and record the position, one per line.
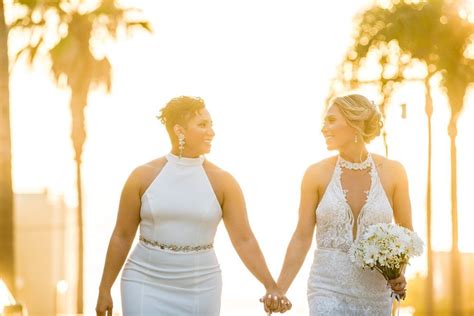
(336, 286)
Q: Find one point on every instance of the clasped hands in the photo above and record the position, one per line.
(275, 302)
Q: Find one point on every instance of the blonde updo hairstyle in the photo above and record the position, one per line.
(361, 114)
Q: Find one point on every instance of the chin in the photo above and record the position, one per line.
(330, 146)
(206, 150)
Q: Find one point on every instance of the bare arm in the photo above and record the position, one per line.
(401, 198)
(121, 240)
(402, 215)
(303, 235)
(242, 238)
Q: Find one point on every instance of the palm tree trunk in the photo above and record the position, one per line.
(429, 279)
(455, 255)
(384, 129)
(385, 142)
(78, 135)
(80, 237)
(7, 261)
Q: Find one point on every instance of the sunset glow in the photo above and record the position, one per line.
(264, 69)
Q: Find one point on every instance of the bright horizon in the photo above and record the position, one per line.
(264, 71)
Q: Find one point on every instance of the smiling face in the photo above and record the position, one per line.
(198, 134)
(337, 132)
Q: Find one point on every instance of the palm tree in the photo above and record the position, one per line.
(429, 251)
(456, 84)
(6, 192)
(457, 70)
(74, 64)
(433, 33)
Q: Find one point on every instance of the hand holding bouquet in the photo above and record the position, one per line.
(386, 248)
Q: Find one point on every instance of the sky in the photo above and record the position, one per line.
(264, 69)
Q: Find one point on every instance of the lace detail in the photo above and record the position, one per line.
(333, 306)
(336, 286)
(354, 165)
(334, 216)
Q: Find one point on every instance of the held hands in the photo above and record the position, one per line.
(275, 301)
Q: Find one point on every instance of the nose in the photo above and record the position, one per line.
(323, 128)
(211, 132)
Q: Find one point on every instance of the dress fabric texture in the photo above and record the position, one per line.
(178, 208)
(336, 286)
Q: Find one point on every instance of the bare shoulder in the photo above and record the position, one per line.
(150, 167)
(326, 164)
(217, 174)
(389, 166)
(143, 175)
(222, 182)
(321, 169)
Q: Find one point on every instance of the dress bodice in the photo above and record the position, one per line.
(334, 217)
(180, 206)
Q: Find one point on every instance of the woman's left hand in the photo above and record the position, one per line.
(275, 302)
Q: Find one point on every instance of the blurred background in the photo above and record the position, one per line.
(82, 81)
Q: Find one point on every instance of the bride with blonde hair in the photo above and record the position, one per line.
(340, 197)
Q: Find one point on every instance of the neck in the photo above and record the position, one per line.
(186, 152)
(357, 153)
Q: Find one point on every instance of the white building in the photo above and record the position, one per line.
(45, 254)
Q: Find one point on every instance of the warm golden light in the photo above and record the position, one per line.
(265, 85)
(62, 286)
(6, 297)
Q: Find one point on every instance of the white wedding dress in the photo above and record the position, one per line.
(173, 270)
(336, 286)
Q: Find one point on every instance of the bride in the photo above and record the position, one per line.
(342, 195)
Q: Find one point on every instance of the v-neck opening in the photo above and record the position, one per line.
(355, 220)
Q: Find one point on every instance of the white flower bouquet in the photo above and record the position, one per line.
(386, 247)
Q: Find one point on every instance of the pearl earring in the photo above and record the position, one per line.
(355, 139)
(181, 143)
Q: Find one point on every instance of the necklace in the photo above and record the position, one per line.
(355, 165)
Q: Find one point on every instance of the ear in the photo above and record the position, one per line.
(178, 130)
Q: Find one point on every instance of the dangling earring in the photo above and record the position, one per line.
(355, 139)
(181, 143)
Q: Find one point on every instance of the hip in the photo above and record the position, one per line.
(333, 271)
(162, 263)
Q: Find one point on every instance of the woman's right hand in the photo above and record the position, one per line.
(104, 304)
(275, 302)
(399, 285)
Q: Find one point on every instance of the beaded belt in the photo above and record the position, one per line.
(176, 248)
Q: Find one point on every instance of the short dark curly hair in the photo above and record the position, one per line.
(179, 111)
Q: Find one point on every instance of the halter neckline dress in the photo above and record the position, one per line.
(336, 286)
(173, 270)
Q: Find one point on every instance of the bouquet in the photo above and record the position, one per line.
(386, 248)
